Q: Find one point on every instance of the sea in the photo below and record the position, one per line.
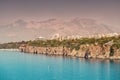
(15, 65)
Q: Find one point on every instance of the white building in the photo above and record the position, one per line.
(40, 38)
(55, 36)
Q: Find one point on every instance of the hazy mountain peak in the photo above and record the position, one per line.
(19, 23)
(32, 29)
(49, 20)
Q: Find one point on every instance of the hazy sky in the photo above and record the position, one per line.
(107, 11)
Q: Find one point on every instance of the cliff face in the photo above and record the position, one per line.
(85, 51)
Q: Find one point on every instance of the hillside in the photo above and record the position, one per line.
(22, 30)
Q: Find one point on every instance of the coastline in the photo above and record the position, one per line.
(9, 50)
(95, 53)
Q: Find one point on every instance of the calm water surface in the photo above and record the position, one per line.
(19, 66)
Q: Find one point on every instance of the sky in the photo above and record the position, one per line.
(106, 11)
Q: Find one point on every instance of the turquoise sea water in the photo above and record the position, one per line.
(19, 66)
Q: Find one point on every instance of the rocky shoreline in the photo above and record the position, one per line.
(85, 51)
(9, 50)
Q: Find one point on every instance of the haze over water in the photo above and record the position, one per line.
(19, 66)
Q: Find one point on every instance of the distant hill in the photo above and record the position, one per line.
(22, 30)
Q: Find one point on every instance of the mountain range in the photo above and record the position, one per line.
(23, 30)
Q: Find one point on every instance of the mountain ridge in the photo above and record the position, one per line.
(23, 30)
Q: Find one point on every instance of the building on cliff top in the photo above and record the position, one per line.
(58, 37)
(40, 38)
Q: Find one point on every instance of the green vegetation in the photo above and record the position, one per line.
(11, 45)
(71, 43)
(75, 43)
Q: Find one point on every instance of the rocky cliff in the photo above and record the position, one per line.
(86, 51)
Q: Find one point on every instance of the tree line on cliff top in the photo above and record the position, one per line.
(71, 43)
(75, 43)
